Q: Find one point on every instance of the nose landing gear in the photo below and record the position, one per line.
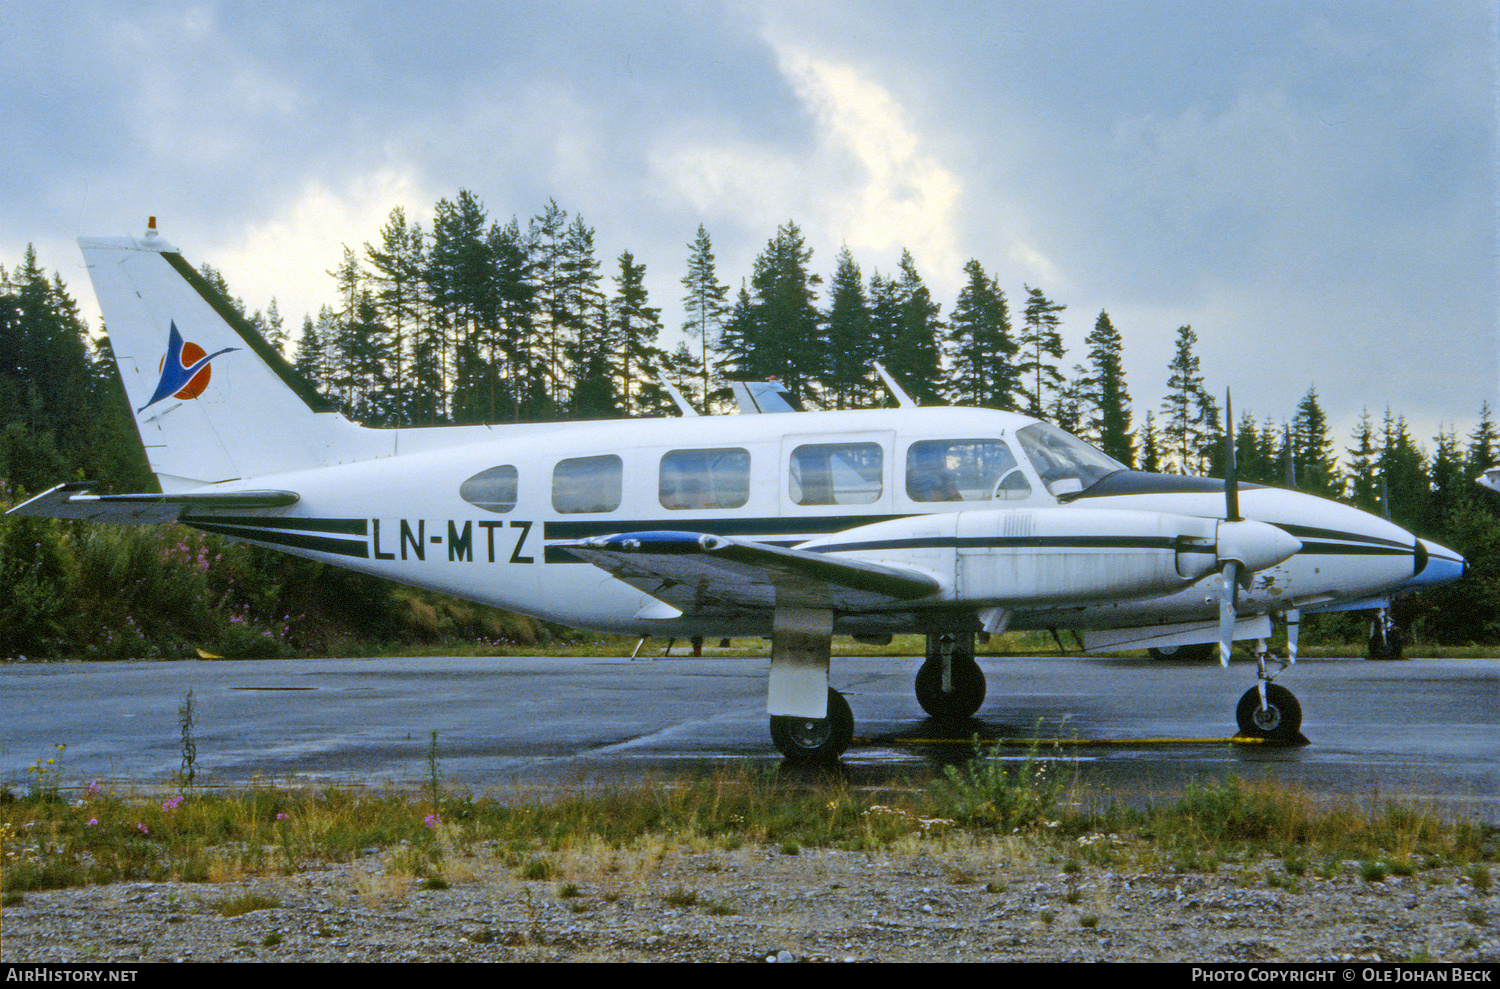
(1268, 710)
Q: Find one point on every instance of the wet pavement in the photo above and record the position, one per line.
(1422, 728)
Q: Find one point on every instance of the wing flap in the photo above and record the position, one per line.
(73, 501)
(706, 574)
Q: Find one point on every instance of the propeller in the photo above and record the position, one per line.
(1291, 464)
(1229, 577)
(1245, 546)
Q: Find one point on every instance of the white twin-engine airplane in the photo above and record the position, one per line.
(944, 521)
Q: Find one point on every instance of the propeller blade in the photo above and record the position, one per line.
(1291, 464)
(1228, 591)
(1293, 630)
(1231, 473)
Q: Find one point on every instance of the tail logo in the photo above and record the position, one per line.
(184, 370)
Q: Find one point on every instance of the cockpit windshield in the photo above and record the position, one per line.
(1065, 463)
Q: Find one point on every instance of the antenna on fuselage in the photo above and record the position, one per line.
(688, 412)
(903, 400)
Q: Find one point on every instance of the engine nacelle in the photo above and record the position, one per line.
(1051, 556)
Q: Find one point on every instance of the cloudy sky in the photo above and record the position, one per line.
(1311, 185)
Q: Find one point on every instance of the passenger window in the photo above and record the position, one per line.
(836, 474)
(963, 470)
(493, 490)
(705, 479)
(587, 484)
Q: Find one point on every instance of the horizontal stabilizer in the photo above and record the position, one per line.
(73, 501)
(705, 574)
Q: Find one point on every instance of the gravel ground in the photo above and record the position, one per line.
(960, 902)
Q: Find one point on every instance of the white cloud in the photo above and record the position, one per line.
(868, 182)
(306, 238)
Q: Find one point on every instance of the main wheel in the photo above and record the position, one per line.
(952, 705)
(1197, 651)
(1387, 646)
(1281, 719)
(815, 739)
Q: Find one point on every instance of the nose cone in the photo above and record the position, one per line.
(1435, 566)
(1257, 545)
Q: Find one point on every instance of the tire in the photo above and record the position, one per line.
(1390, 646)
(1197, 652)
(1282, 719)
(962, 701)
(815, 739)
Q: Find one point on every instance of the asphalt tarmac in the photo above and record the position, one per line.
(1423, 729)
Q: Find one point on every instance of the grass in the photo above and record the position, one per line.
(49, 841)
(237, 906)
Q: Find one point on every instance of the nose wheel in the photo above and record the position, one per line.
(1278, 718)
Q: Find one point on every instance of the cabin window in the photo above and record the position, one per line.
(587, 484)
(963, 470)
(493, 490)
(705, 479)
(836, 474)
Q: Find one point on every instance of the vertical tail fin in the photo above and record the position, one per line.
(213, 401)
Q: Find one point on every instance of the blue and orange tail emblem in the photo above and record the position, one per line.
(184, 370)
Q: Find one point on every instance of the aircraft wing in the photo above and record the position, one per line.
(698, 573)
(73, 501)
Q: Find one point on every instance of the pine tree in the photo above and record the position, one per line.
(1041, 346)
(1254, 452)
(705, 304)
(513, 344)
(1448, 487)
(915, 359)
(740, 339)
(981, 349)
(308, 361)
(885, 318)
(548, 238)
(1106, 394)
(636, 328)
(1364, 482)
(1403, 472)
(583, 320)
(1184, 433)
(1152, 460)
(681, 367)
(851, 349)
(396, 274)
(275, 328)
(788, 344)
(46, 422)
(1317, 470)
(1483, 443)
(1068, 410)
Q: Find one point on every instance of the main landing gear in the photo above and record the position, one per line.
(950, 685)
(1386, 641)
(815, 739)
